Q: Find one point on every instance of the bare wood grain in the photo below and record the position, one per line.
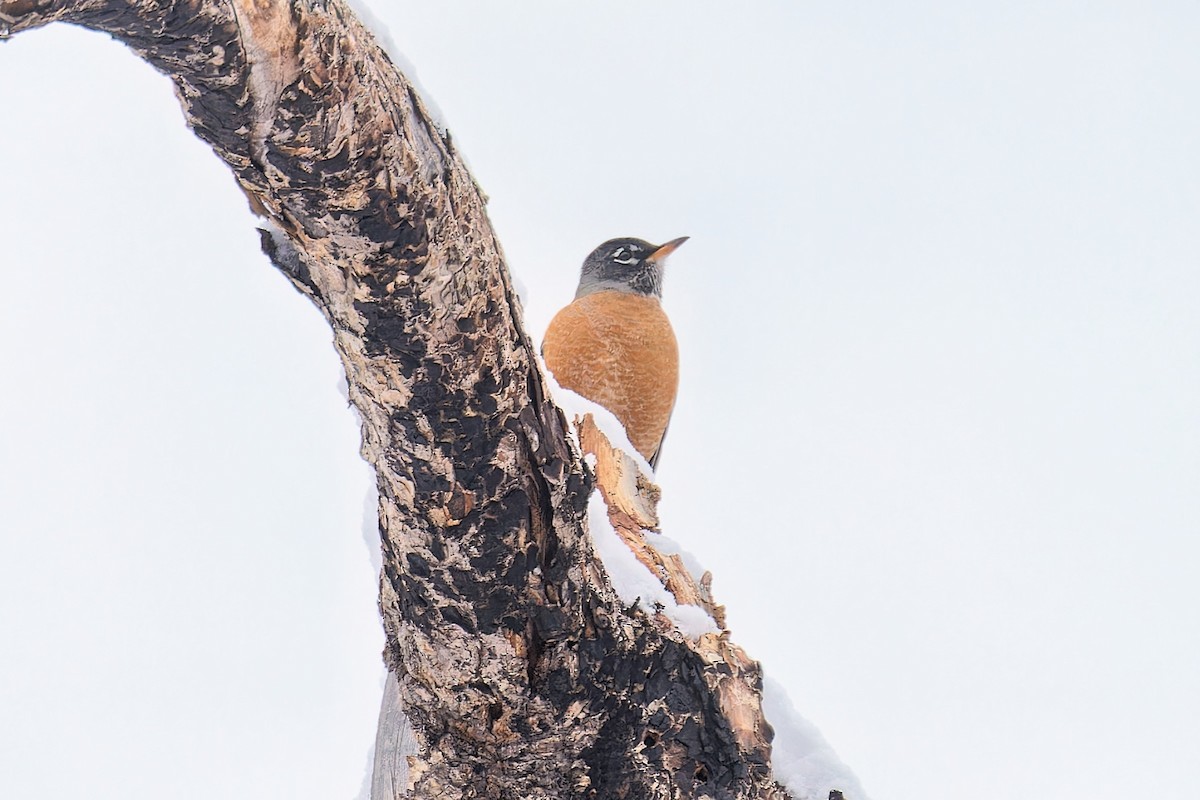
(515, 670)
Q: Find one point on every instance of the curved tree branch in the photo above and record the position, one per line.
(516, 669)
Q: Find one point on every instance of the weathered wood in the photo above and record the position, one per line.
(512, 659)
(632, 503)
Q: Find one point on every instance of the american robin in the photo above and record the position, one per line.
(614, 345)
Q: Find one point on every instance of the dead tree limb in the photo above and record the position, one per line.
(517, 671)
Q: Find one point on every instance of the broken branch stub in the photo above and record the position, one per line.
(632, 502)
(516, 669)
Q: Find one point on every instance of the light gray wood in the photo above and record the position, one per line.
(516, 672)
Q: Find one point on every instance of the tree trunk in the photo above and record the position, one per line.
(515, 669)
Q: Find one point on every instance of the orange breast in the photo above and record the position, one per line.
(617, 349)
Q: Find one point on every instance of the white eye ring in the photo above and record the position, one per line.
(623, 255)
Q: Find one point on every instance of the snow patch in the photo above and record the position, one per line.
(634, 583)
(801, 759)
(668, 546)
(631, 579)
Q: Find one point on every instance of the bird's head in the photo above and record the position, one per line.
(626, 265)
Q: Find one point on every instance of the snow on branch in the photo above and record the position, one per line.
(517, 669)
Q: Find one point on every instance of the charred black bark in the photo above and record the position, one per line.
(518, 668)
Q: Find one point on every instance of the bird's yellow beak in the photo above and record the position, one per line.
(666, 249)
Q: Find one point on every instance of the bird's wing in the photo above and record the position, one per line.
(654, 458)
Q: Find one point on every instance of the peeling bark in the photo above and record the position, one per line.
(632, 502)
(515, 670)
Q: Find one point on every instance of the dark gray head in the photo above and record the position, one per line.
(626, 265)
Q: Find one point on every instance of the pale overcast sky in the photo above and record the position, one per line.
(938, 435)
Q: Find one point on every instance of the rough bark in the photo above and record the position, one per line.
(516, 671)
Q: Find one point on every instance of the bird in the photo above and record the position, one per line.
(613, 343)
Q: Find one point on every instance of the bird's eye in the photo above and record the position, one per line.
(623, 255)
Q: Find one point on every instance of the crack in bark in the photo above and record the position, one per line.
(513, 659)
(267, 33)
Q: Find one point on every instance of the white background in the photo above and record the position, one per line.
(937, 434)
